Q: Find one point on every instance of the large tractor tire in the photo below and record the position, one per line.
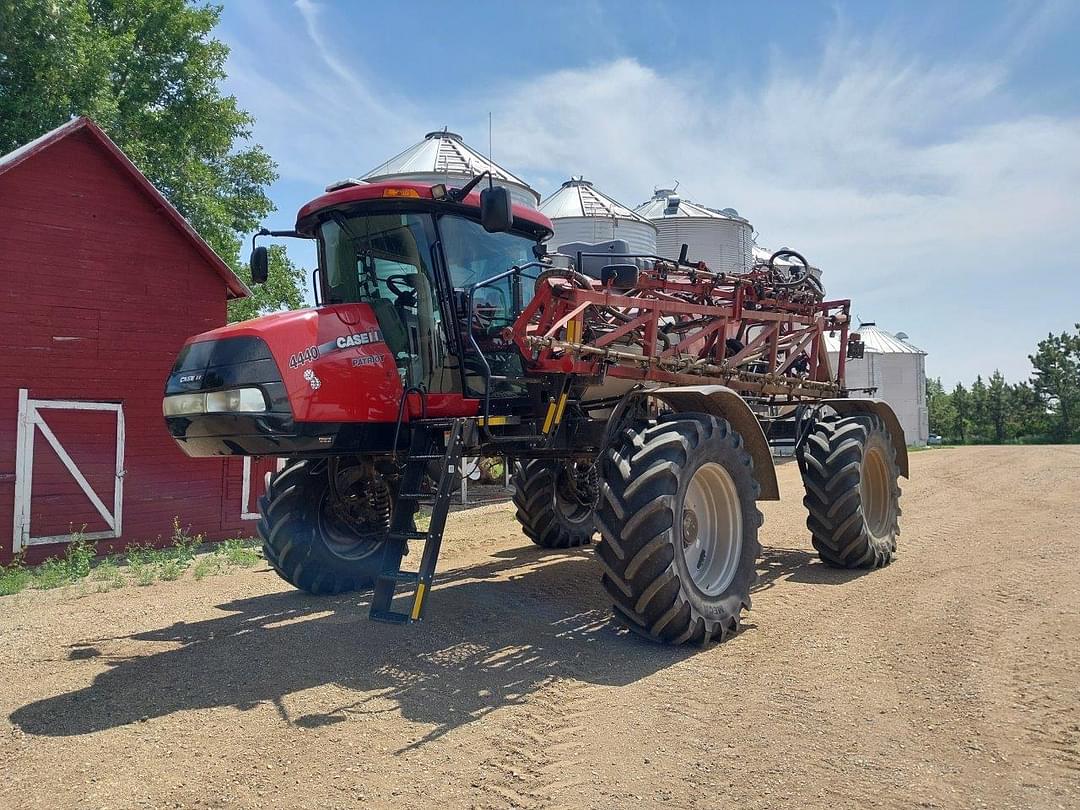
(555, 502)
(319, 541)
(679, 528)
(852, 492)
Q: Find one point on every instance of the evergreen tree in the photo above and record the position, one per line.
(979, 412)
(997, 406)
(961, 408)
(1056, 379)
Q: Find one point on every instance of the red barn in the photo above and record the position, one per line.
(102, 282)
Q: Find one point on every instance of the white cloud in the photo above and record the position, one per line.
(912, 182)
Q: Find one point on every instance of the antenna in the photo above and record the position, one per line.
(491, 181)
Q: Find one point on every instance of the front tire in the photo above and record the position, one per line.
(319, 542)
(849, 471)
(679, 529)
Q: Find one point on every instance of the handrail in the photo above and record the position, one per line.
(516, 270)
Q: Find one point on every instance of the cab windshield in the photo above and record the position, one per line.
(388, 260)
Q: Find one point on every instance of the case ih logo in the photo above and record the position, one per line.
(361, 339)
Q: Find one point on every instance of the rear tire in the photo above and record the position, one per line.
(553, 513)
(308, 538)
(852, 491)
(679, 528)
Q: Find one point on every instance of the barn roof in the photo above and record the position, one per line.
(235, 287)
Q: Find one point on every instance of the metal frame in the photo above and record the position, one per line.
(29, 422)
(673, 327)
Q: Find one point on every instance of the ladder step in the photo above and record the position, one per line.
(416, 496)
(426, 456)
(390, 616)
(415, 535)
(411, 577)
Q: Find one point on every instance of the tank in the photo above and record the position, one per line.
(720, 238)
(443, 157)
(581, 213)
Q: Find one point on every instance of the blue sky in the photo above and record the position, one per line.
(926, 156)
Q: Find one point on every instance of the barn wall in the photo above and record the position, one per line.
(100, 291)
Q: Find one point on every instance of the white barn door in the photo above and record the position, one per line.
(32, 422)
(254, 483)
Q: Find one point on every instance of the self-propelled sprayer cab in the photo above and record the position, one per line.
(395, 261)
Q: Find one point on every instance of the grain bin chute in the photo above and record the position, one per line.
(581, 213)
(720, 238)
(443, 157)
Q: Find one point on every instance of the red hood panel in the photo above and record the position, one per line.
(333, 360)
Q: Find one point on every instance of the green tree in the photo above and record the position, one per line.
(940, 411)
(282, 288)
(997, 406)
(1027, 414)
(979, 412)
(1056, 379)
(148, 72)
(961, 403)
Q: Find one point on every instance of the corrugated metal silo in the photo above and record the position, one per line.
(722, 239)
(896, 370)
(581, 213)
(443, 157)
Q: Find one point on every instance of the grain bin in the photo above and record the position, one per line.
(580, 212)
(443, 157)
(720, 238)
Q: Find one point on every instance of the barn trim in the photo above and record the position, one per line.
(30, 422)
(235, 287)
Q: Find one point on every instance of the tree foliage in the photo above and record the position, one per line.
(149, 73)
(1046, 409)
(1056, 380)
(282, 289)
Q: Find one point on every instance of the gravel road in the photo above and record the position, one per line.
(949, 679)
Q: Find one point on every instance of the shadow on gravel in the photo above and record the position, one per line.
(495, 634)
(797, 565)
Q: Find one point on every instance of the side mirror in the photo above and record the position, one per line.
(260, 265)
(496, 214)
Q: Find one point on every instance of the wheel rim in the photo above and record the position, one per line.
(875, 491)
(575, 492)
(354, 525)
(711, 529)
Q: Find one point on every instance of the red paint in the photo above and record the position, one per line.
(346, 393)
(103, 283)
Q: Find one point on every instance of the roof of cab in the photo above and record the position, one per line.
(525, 218)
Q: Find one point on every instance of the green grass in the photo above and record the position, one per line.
(14, 578)
(141, 565)
(108, 575)
(208, 566)
(422, 520)
(239, 553)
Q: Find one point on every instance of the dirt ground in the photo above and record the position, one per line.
(949, 679)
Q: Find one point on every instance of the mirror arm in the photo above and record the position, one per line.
(459, 194)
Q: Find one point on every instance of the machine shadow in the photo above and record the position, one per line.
(496, 633)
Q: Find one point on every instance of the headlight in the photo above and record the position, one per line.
(235, 400)
(184, 404)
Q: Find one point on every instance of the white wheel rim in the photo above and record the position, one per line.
(710, 529)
